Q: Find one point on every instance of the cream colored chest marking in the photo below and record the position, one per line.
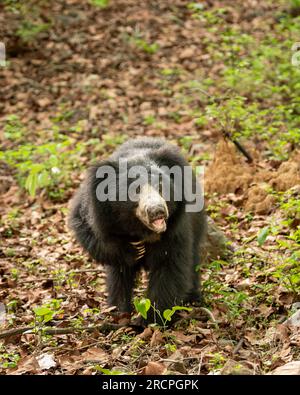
(140, 248)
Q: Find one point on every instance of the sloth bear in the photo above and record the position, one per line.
(143, 208)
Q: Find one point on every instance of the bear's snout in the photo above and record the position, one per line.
(156, 211)
(152, 209)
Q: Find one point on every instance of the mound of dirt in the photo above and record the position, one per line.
(259, 200)
(287, 175)
(229, 173)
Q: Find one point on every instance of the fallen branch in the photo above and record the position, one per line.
(54, 279)
(14, 332)
(103, 328)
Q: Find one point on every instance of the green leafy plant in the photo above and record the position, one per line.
(8, 360)
(217, 361)
(144, 45)
(291, 207)
(14, 129)
(198, 7)
(171, 348)
(47, 311)
(186, 142)
(12, 305)
(45, 166)
(15, 273)
(143, 305)
(288, 273)
(29, 31)
(167, 72)
(215, 289)
(31, 23)
(149, 120)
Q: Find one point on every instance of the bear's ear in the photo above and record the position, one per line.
(101, 171)
(169, 156)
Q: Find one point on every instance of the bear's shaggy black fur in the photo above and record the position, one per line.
(151, 233)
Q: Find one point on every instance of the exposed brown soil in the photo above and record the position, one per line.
(229, 173)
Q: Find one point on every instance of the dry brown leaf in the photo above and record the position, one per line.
(291, 368)
(28, 364)
(146, 334)
(95, 354)
(154, 368)
(157, 338)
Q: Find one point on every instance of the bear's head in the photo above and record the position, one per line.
(133, 197)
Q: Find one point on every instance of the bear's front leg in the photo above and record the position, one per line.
(120, 282)
(170, 281)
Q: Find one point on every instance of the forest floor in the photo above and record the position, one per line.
(80, 80)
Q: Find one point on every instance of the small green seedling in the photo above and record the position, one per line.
(143, 305)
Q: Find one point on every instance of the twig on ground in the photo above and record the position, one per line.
(238, 346)
(210, 315)
(53, 278)
(103, 328)
(200, 364)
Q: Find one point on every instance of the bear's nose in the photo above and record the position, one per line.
(157, 211)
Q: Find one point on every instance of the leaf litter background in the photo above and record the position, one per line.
(94, 79)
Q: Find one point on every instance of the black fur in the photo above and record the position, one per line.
(107, 229)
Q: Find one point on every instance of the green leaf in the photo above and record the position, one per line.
(43, 179)
(31, 183)
(109, 372)
(142, 306)
(100, 3)
(262, 235)
(44, 314)
(168, 314)
(41, 311)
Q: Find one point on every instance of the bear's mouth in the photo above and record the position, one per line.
(152, 209)
(158, 224)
